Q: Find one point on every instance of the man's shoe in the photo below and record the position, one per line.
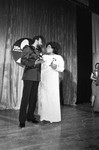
(22, 125)
(33, 121)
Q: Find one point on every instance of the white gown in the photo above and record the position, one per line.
(48, 90)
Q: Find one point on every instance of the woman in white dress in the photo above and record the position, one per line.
(95, 88)
(48, 90)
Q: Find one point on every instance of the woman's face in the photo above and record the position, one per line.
(49, 49)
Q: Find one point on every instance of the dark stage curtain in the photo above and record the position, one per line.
(95, 38)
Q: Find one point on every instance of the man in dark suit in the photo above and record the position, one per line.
(31, 77)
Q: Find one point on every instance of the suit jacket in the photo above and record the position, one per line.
(31, 71)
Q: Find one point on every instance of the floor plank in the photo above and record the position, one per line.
(78, 130)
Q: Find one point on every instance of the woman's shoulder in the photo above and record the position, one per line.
(45, 55)
(58, 56)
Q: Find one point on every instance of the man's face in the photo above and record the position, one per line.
(40, 41)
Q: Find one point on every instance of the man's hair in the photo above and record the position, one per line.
(37, 38)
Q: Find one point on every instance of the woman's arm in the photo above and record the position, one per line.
(60, 64)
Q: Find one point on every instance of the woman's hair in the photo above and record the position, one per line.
(96, 65)
(56, 47)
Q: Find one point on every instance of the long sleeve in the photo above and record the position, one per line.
(28, 57)
(60, 64)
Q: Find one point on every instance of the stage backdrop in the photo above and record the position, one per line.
(56, 21)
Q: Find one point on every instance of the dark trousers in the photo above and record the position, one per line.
(29, 99)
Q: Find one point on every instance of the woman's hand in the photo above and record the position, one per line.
(54, 66)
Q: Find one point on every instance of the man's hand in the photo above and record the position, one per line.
(39, 61)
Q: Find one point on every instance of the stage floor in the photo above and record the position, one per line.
(78, 130)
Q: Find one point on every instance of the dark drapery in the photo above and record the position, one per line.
(95, 38)
(56, 21)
